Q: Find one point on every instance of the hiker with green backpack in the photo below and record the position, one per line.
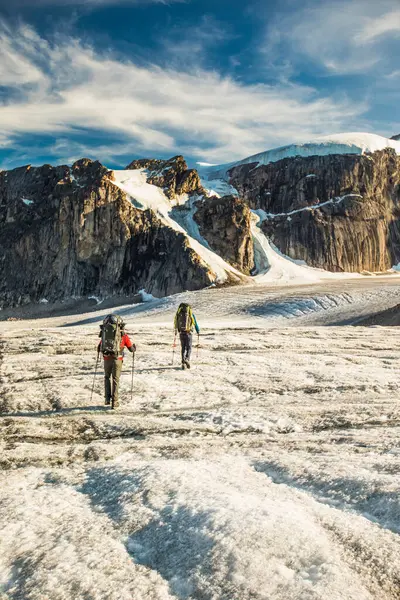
(112, 343)
(184, 323)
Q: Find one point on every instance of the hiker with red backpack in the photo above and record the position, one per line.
(184, 323)
(112, 343)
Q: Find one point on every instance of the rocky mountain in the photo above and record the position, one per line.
(72, 232)
(395, 137)
(172, 175)
(336, 212)
(225, 223)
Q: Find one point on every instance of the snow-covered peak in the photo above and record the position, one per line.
(144, 195)
(340, 143)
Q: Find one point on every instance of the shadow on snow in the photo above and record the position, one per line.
(173, 542)
(378, 506)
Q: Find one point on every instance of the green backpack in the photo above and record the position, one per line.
(184, 319)
(111, 332)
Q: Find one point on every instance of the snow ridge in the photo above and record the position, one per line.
(342, 143)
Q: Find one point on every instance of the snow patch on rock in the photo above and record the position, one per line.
(274, 267)
(144, 196)
(146, 297)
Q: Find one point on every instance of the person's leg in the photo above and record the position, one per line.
(182, 338)
(116, 374)
(107, 381)
(189, 343)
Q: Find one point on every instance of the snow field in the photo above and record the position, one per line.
(267, 471)
(218, 187)
(53, 545)
(252, 538)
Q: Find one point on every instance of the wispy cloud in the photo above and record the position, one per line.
(191, 46)
(386, 24)
(342, 37)
(65, 88)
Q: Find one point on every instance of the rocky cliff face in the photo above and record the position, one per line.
(72, 232)
(172, 176)
(225, 224)
(337, 212)
(68, 232)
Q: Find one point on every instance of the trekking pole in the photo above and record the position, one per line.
(198, 346)
(94, 378)
(133, 370)
(173, 350)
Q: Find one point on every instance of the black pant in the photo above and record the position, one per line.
(186, 345)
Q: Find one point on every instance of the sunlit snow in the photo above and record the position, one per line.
(341, 143)
(268, 471)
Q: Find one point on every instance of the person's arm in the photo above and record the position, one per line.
(128, 343)
(195, 324)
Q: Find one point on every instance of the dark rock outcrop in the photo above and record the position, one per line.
(225, 224)
(395, 137)
(172, 175)
(70, 232)
(337, 212)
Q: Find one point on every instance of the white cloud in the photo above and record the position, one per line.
(69, 88)
(16, 68)
(393, 75)
(388, 23)
(343, 36)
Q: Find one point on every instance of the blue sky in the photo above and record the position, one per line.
(215, 80)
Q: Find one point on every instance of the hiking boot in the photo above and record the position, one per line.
(183, 366)
(107, 402)
(187, 363)
(115, 404)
